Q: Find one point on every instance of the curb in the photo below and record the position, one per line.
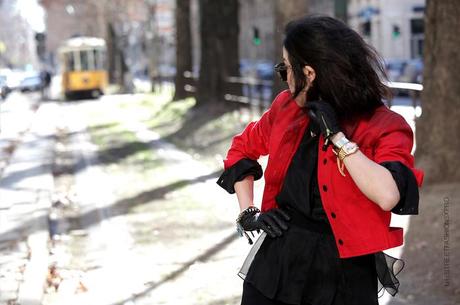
(32, 288)
(29, 186)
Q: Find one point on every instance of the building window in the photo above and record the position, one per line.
(417, 29)
(365, 28)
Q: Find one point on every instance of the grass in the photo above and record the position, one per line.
(210, 141)
(206, 136)
(169, 118)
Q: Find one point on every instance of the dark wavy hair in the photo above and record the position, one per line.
(349, 72)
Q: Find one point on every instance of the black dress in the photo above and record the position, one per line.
(303, 265)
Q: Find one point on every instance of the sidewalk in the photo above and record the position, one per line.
(16, 115)
(171, 240)
(25, 189)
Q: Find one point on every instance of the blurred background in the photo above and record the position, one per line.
(116, 116)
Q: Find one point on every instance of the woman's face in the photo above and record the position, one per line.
(290, 76)
(310, 74)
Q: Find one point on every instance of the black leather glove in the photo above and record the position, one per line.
(324, 115)
(273, 222)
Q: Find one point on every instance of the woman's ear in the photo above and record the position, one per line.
(309, 73)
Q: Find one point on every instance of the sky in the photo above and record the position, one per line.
(33, 13)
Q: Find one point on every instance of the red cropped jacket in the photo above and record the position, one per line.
(359, 225)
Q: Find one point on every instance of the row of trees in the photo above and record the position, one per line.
(119, 21)
(437, 130)
(219, 32)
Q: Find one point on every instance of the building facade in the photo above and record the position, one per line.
(65, 19)
(17, 38)
(395, 28)
(257, 17)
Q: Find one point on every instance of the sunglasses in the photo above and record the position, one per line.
(281, 69)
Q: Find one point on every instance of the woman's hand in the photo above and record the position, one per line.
(324, 115)
(273, 222)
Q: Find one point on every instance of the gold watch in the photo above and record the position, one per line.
(347, 149)
(342, 141)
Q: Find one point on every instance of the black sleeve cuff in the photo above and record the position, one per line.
(238, 172)
(407, 186)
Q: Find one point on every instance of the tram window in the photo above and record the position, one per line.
(97, 60)
(69, 61)
(91, 60)
(84, 60)
(103, 58)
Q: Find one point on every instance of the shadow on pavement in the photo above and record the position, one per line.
(14, 177)
(197, 117)
(173, 275)
(120, 207)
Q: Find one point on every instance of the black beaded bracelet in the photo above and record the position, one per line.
(250, 210)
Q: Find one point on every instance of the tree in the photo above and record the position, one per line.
(219, 32)
(285, 11)
(111, 51)
(183, 48)
(117, 59)
(438, 140)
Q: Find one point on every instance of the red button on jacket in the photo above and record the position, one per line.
(360, 226)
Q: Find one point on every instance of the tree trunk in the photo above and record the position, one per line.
(111, 46)
(219, 32)
(183, 48)
(285, 11)
(438, 140)
(152, 44)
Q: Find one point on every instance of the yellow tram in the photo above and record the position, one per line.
(83, 68)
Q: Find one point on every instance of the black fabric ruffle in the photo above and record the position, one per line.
(238, 172)
(303, 267)
(407, 186)
(300, 265)
(388, 267)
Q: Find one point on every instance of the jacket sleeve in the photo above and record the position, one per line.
(395, 143)
(253, 142)
(238, 172)
(407, 185)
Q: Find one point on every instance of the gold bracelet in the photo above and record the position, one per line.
(342, 154)
(340, 166)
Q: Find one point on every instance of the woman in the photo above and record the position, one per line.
(339, 163)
